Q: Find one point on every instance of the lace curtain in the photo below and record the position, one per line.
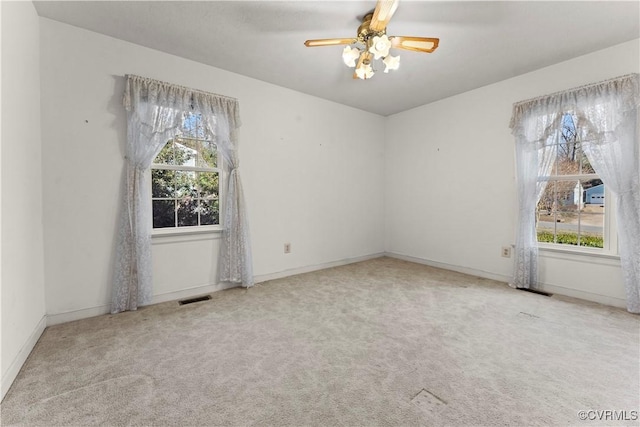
(532, 160)
(236, 262)
(607, 122)
(154, 115)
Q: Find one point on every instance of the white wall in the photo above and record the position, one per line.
(450, 179)
(23, 304)
(310, 176)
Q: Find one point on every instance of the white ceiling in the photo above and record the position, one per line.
(480, 42)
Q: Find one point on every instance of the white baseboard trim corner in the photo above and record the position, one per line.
(308, 269)
(16, 364)
(73, 315)
(553, 289)
(451, 267)
(84, 313)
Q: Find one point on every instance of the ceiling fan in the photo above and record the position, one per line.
(372, 42)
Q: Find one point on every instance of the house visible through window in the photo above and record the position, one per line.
(572, 208)
(185, 178)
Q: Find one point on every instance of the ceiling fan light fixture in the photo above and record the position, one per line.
(391, 63)
(372, 42)
(379, 46)
(350, 56)
(364, 71)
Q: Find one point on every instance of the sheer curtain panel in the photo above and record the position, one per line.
(155, 111)
(235, 249)
(607, 124)
(534, 158)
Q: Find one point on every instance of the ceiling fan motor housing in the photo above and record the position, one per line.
(365, 33)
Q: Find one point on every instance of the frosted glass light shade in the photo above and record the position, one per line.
(350, 56)
(380, 46)
(391, 63)
(364, 71)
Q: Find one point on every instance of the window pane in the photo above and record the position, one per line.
(208, 184)
(566, 202)
(572, 213)
(207, 155)
(568, 151)
(209, 212)
(188, 142)
(593, 192)
(585, 164)
(187, 212)
(592, 214)
(186, 184)
(545, 215)
(162, 183)
(567, 198)
(568, 158)
(164, 213)
(166, 155)
(558, 214)
(184, 155)
(563, 166)
(192, 126)
(186, 197)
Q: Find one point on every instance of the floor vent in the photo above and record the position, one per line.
(535, 291)
(428, 401)
(192, 300)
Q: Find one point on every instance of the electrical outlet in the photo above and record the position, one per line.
(506, 251)
(287, 248)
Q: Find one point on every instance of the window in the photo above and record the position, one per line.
(574, 206)
(185, 179)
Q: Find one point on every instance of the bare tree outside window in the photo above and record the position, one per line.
(571, 209)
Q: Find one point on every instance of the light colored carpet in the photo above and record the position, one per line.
(382, 342)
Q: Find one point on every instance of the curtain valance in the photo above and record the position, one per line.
(168, 95)
(621, 94)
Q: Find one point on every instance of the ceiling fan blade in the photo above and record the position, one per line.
(383, 13)
(328, 42)
(418, 44)
(364, 56)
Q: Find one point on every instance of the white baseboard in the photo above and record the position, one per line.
(57, 318)
(445, 266)
(191, 292)
(84, 313)
(14, 369)
(70, 316)
(587, 296)
(301, 270)
(553, 289)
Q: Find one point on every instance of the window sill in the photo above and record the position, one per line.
(170, 235)
(580, 255)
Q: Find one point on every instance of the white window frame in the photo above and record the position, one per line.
(610, 235)
(610, 229)
(191, 229)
